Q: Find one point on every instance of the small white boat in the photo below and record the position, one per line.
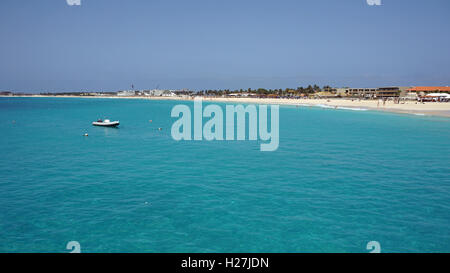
(106, 123)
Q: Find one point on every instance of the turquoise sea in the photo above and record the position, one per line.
(339, 179)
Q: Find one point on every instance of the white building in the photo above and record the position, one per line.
(159, 93)
(128, 93)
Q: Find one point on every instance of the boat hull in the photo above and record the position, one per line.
(106, 124)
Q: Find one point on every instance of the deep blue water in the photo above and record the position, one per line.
(339, 179)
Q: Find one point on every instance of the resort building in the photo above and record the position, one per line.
(388, 92)
(362, 92)
(425, 90)
(373, 93)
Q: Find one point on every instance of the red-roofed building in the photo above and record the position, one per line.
(430, 89)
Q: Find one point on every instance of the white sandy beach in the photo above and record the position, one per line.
(408, 107)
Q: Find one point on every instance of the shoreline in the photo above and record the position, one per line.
(441, 109)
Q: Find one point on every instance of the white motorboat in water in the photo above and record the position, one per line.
(106, 123)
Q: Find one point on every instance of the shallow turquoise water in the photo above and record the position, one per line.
(338, 180)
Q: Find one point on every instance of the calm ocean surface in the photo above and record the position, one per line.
(339, 179)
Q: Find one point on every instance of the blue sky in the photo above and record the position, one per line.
(47, 45)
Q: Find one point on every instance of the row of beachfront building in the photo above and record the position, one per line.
(390, 92)
(430, 93)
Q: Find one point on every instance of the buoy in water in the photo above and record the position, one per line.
(160, 129)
